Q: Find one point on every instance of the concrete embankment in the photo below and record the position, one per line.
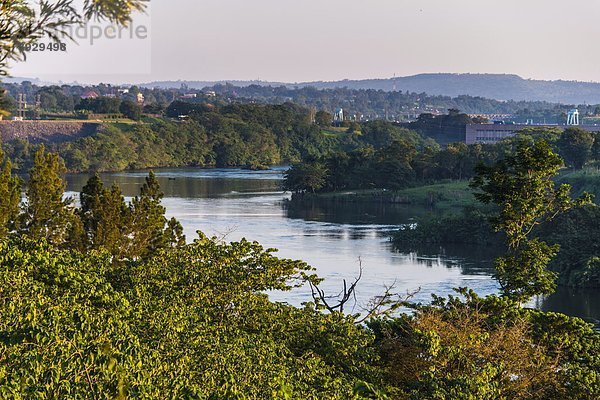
(46, 131)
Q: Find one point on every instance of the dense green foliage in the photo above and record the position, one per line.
(575, 146)
(240, 135)
(104, 220)
(577, 233)
(574, 263)
(521, 186)
(141, 314)
(401, 159)
(188, 323)
(10, 197)
(472, 226)
(488, 348)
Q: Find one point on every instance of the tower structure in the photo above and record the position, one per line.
(21, 105)
(573, 117)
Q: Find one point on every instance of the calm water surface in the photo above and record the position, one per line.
(235, 204)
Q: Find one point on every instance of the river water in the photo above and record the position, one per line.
(333, 238)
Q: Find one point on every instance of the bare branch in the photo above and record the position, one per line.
(382, 305)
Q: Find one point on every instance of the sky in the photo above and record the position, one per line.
(307, 40)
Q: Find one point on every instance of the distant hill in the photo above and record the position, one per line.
(492, 86)
(202, 84)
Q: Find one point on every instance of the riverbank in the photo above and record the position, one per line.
(443, 196)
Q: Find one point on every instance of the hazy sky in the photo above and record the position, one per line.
(302, 40)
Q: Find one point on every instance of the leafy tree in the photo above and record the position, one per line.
(521, 186)
(596, 147)
(382, 134)
(7, 104)
(174, 232)
(181, 108)
(105, 217)
(191, 322)
(487, 348)
(149, 228)
(100, 105)
(131, 110)
(154, 108)
(323, 118)
(10, 197)
(575, 146)
(305, 177)
(54, 98)
(46, 215)
(576, 232)
(353, 127)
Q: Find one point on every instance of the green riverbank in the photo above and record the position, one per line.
(444, 196)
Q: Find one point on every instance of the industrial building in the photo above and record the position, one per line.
(494, 132)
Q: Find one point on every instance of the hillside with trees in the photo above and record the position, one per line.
(358, 104)
(491, 86)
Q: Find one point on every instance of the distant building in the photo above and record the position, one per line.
(210, 93)
(188, 96)
(338, 116)
(140, 98)
(493, 133)
(90, 94)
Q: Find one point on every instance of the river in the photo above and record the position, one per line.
(234, 204)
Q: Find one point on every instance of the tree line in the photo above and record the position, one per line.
(357, 104)
(103, 220)
(243, 135)
(395, 158)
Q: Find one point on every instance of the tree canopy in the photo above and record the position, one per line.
(122, 307)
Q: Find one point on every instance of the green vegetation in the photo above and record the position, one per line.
(442, 196)
(577, 233)
(392, 158)
(487, 348)
(572, 231)
(585, 180)
(10, 197)
(471, 226)
(104, 221)
(248, 136)
(575, 146)
(113, 304)
(108, 301)
(521, 186)
(439, 197)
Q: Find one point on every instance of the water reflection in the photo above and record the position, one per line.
(189, 183)
(580, 302)
(342, 212)
(329, 235)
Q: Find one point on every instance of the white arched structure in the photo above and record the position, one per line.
(573, 117)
